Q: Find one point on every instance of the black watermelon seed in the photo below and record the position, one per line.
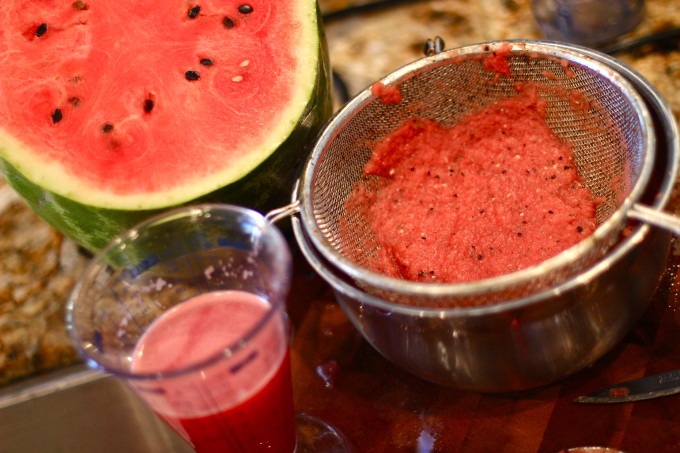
(207, 62)
(148, 105)
(228, 22)
(74, 101)
(42, 29)
(57, 115)
(192, 75)
(193, 12)
(79, 5)
(245, 9)
(106, 128)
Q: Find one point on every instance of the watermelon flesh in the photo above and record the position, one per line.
(111, 111)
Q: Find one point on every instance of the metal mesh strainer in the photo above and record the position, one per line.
(613, 143)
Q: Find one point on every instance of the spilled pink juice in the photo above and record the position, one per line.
(241, 403)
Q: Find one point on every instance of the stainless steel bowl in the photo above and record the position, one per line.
(537, 339)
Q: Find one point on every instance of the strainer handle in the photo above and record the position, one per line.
(275, 215)
(654, 217)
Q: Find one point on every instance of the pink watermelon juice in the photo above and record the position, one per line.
(242, 402)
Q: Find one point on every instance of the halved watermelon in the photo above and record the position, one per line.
(112, 110)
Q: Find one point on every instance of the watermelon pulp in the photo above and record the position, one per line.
(111, 111)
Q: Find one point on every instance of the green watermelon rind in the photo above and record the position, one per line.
(266, 187)
(53, 172)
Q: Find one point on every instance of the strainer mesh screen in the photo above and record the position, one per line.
(584, 108)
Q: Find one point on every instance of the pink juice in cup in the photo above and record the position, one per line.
(188, 309)
(241, 402)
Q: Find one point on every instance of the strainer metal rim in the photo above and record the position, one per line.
(583, 278)
(573, 54)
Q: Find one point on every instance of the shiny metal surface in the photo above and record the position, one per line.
(79, 410)
(534, 340)
(613, 150)
(645, 388)
(591, 450)
(518, 344)
(666, 133)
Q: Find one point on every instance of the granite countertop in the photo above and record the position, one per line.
(366, 47)
(38, 266)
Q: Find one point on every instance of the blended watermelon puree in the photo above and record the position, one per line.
(241, 403)
(495, 193)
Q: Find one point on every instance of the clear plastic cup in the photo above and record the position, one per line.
(590, 23)
(188, 308)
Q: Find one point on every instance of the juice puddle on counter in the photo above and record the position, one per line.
(241, 403)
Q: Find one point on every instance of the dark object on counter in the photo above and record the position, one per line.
(434, 46)
(648, 387)
(666, 40)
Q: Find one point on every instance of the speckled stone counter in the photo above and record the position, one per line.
(366, 47)
(38, 267)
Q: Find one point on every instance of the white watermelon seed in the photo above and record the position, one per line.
(244, 63)
(237, 79)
